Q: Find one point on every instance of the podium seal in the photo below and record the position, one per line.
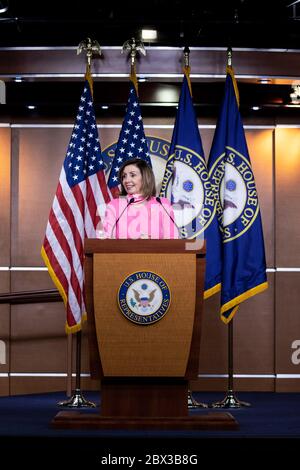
(144, 297)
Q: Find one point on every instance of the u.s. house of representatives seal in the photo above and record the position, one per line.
(144, 297)
(186, 183)
(233, 184)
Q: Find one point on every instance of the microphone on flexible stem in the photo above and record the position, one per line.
(159, 201)
(115, 224)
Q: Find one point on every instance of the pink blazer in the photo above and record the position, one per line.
(148, 220)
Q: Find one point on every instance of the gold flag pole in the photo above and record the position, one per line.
(192, 403)
(230, 400)
(77, 400)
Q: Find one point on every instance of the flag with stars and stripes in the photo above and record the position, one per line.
(132, 141)
(74, 213)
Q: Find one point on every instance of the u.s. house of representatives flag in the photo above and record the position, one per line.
(132, 141)
(74, 214)
(232, 181)
(186, 183)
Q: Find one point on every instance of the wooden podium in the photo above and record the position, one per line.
(144, 361)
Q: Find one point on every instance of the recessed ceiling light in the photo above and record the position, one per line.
(149, 34)
(31, 106)
(104, 106)
(18, 79)
(255, 108)
(264, 81)
(3, 6)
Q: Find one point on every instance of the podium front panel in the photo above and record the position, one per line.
(160, 349)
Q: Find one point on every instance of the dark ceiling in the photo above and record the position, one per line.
(260, 24)
(239, 23)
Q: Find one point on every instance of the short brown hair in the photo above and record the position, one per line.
(148, 178)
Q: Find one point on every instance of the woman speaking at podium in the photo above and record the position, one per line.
(138, 213)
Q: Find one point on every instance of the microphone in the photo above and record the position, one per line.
(159, 201)
(115, 224)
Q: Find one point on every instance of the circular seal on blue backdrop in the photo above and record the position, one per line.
(235, 194)
(144, 297)
(186, 184)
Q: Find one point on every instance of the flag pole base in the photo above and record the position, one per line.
(77, 401)
(193, 404)
(230, 401)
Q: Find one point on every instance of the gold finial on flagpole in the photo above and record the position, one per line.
(186, 54)
(186, 67)
(229, 57)
(229, 70)
(133, 47)
(91, 48)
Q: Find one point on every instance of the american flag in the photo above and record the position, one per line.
(132, 141)
(74, 216)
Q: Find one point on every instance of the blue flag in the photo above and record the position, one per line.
(186, 183)
(132, 141)
(243, 271)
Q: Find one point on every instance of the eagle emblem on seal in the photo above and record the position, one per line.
(144, 301)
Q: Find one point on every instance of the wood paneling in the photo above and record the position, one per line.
(247, 384)
(287, 323)
(4, 335)
(29, 385)
(4, 281)
(287, 197)
(254, 329)
(30, 280)
(4, 387)
(213, 349)
(37, 159)
(253, 336)
(260, 146)
(288, 385)
(5, 185)
(38, 340)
